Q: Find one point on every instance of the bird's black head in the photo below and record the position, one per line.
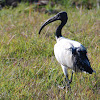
(60, 16)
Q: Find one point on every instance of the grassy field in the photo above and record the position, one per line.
(28, 68)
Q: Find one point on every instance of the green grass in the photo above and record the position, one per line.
(28, 68)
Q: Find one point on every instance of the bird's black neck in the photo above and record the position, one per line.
(59, 29)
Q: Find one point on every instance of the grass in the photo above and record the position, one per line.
(28, 68)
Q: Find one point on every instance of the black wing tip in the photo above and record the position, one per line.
(90, 72)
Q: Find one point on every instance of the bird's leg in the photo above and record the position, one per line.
(66, 74)
(67, 79)
(71, 78)
(68, 82)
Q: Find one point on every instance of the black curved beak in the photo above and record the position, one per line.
(49, 21)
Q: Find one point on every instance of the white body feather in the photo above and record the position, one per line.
(63, 53)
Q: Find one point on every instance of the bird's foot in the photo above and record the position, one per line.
(61, 87)
(64, 87)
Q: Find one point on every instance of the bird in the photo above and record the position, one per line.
(69, 53)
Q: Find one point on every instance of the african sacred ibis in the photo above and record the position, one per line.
(69, 53)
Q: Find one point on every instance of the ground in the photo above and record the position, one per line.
(28, 68)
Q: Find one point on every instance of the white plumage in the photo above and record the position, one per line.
(63, 52)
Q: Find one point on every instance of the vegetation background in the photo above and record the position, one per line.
(28, 68)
